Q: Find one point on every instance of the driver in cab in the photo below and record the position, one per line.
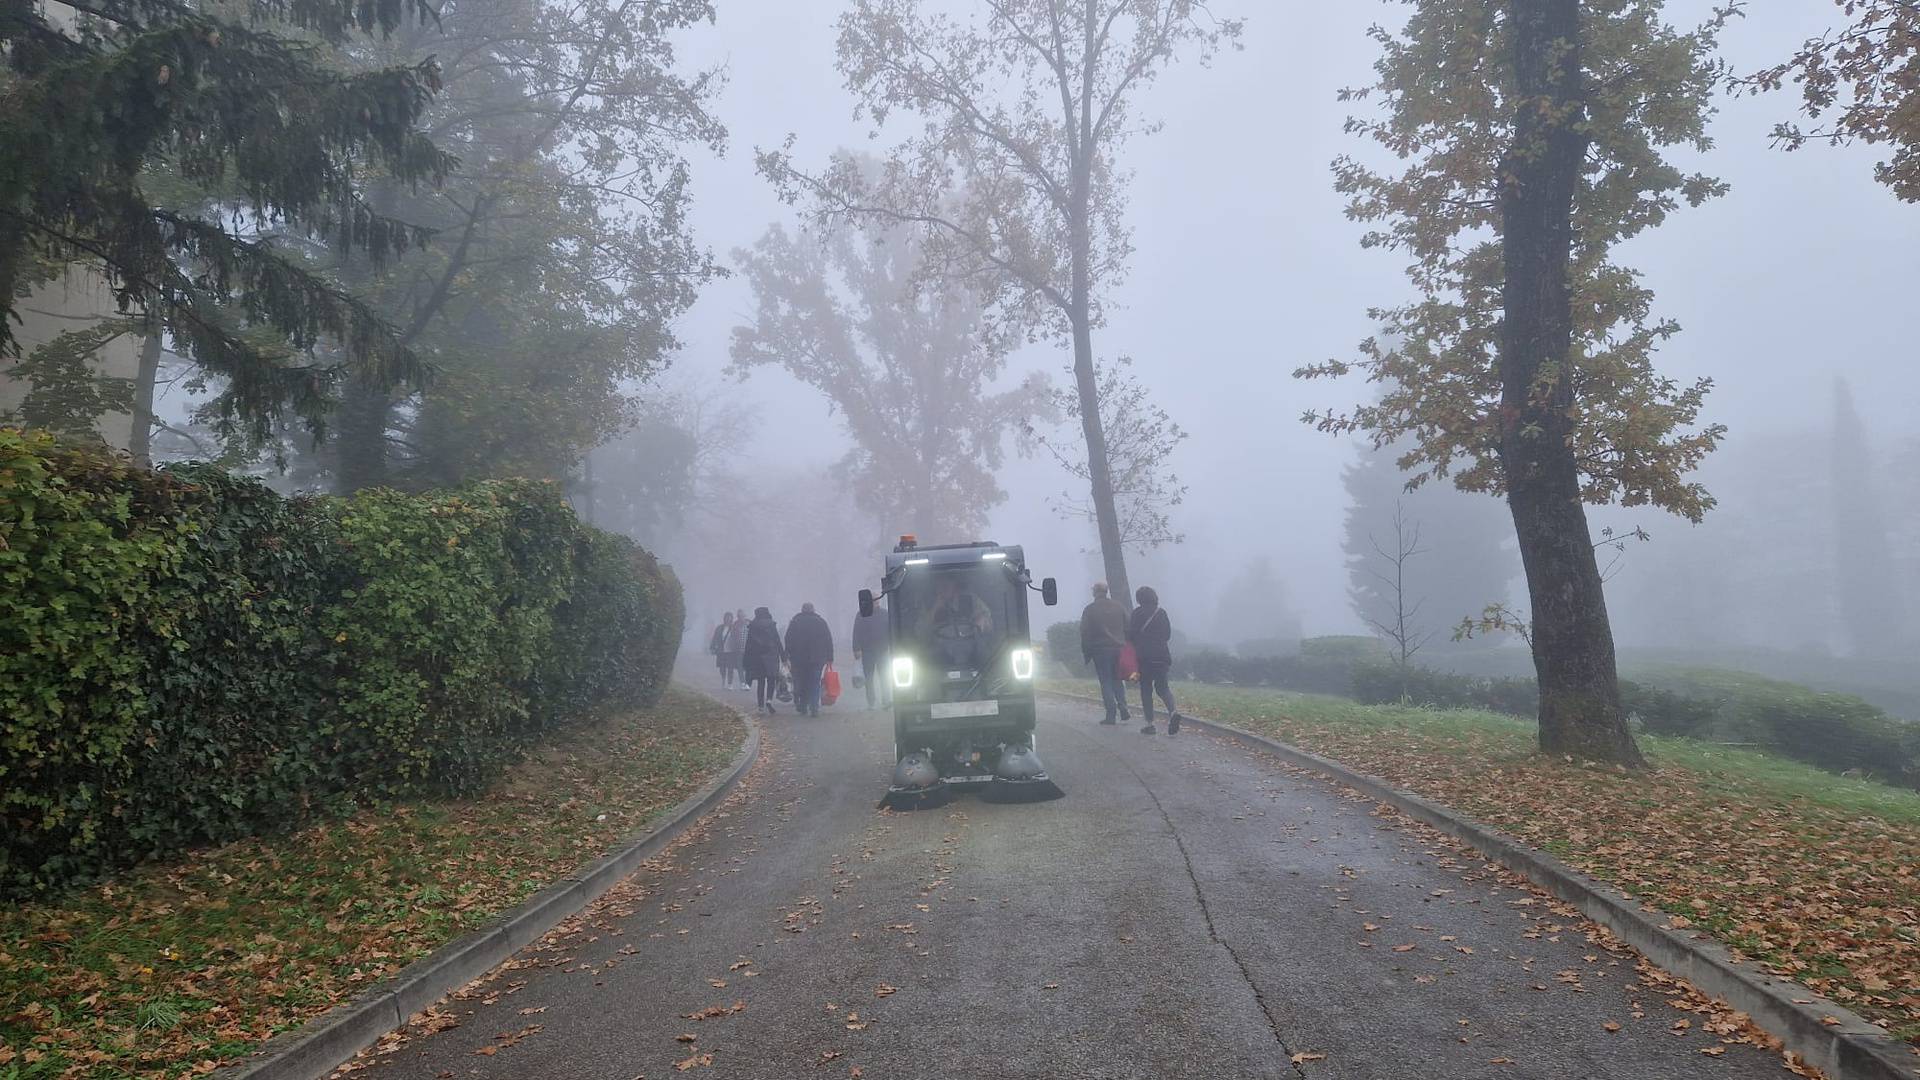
(959, 624)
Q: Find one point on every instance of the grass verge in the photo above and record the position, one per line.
(1814, 875)
(173, 969)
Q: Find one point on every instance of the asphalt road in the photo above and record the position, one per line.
(1188, 910)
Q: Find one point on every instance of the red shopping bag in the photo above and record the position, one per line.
(829, 686)
(1129, 662)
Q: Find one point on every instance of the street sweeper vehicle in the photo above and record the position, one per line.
(961, 671)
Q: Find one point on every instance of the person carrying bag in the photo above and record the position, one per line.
(1149, 634)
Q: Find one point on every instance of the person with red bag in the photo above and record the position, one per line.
(1103, 642)
(809, 644)
(1149, 631)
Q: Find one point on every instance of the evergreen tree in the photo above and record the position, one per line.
(1254, 616)
(103, 111)
(1867, 580)
(1468, 563)
(565, 254)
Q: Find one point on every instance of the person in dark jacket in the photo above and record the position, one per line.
(809, 651)
(1103, 633)
(872, 640)
(760, 659)
(733, 650)
(1151, 630)
(718, 647)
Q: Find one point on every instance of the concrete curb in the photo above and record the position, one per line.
(313, 1051)
(1851, 1049)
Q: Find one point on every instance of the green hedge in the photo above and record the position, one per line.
(187, 657)
(1838, 732)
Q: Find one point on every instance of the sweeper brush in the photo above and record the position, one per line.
(916, 785)
(1020, 778)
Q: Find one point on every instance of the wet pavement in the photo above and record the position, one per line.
(1188, 910)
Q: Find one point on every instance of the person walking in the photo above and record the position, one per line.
(733, 650)
(1103, 633)
(1151, 631)
(760, 657)
(872, 640)
(717, 646)
(809, 651)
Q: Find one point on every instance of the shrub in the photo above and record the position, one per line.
(1352, 648)
(1663, 712)
(1840, 732)
(1304, 672)
(186, 657)
(1383, 682)
(1063, 645)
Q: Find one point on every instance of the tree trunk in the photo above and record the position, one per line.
(360, 438)
(140, 437)
(1080, 314)
(1573, 654)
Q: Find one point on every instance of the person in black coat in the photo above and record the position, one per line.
(872, 640)
(1150, 631)
(809, 651)
(718, 647)
(760, 659)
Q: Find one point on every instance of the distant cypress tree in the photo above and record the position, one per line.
(1866, 578)
(105, 102)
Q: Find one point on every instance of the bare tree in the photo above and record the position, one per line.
(1401, 629)
(1140, 445)
(1031, 104)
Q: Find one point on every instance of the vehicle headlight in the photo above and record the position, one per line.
(903, 671)
(1023, 663)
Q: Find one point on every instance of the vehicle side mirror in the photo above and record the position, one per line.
(1049, 592)
(866, 603)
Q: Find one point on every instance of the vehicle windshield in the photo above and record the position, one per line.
(955, 618)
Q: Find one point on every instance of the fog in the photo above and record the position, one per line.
(1245, 267)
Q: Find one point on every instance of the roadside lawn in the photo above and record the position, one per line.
(172, 969)
(1815, 875)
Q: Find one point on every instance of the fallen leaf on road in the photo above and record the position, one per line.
(1611, 1025)
(1713, 1051)
(1830, 1021)
(827, 1056)
(1501, 1061)
(1305, 1056)
(1051, 986)
(1368, 927)
(717, 984)
(884, 989)
(701, 1060)
(686, 1038)
(487, 1051)
(1405, 948)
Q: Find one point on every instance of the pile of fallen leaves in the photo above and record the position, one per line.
(175, 969)
(1821, 894)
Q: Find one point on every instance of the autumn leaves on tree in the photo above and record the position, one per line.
(1534, 135)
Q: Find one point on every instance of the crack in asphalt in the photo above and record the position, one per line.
(1200, 897)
